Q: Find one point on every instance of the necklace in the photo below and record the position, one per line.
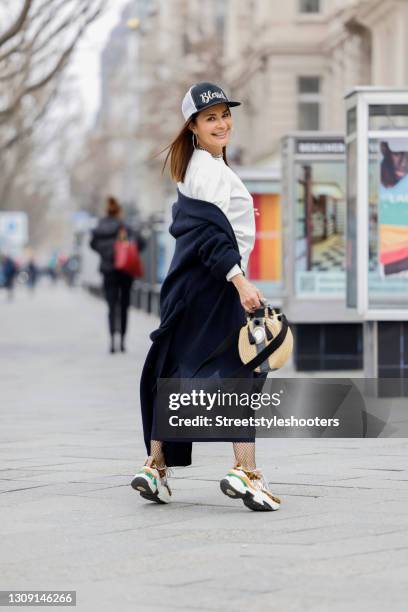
(203, 149)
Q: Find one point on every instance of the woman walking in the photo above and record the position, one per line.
(205, 294)
(116, 284)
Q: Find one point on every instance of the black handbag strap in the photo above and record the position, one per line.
(257, 360)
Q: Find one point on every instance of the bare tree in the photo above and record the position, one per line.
(34, 50)
(37, 39)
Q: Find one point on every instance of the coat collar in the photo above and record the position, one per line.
(208, 211)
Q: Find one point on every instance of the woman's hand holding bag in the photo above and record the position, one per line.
(249, 294)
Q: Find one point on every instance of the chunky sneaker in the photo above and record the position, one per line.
(151, 482)
(251, 487)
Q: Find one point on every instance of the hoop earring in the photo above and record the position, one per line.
(192, 136)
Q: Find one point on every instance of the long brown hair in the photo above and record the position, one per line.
(113, 208)
(180, 151)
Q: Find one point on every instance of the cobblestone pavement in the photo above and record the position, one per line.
(70, 442)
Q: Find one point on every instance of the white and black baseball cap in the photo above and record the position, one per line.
(203, 95)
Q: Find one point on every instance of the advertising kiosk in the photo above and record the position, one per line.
(328, 336)
(265, 262)
(377, 227)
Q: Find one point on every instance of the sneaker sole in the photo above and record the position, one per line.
(140, 485)
(249, 499)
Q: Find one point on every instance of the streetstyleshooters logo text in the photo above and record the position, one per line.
(210, 408)
(254, 401)
(209, 95)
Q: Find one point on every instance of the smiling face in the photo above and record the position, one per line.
(212, 128)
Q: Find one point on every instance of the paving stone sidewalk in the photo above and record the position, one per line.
(71, 440)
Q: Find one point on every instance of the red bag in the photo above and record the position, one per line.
(127, 258)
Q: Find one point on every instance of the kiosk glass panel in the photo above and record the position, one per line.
(351, 120)
(387, 116)
(388, 223)
(351, 245)
(265, 262)
(320, 208)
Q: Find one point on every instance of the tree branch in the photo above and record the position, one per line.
(30, 89)
(26, 131)
(18, 24)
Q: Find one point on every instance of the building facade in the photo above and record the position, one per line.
(290, 62)
(293, 62)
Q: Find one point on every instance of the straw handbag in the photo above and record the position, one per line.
(265, 343)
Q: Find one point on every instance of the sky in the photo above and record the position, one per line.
(85, 64)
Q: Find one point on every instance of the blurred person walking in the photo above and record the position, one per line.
(52, 268)
(206, 295)
(32, 274)
(116, 283)
(10, 270)
(70, 269)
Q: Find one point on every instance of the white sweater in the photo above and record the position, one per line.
(209, 178)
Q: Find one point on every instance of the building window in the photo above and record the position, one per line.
(309, 6)
(309, 102)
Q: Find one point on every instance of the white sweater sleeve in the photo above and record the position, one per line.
(233, 272)
(209, 183)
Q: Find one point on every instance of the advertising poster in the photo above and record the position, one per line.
(393, 207)
(320, 228)
(265, 262)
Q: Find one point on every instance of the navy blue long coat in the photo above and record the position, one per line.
(198, 309)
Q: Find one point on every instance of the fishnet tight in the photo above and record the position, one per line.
(156, 454)
(244, 454)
